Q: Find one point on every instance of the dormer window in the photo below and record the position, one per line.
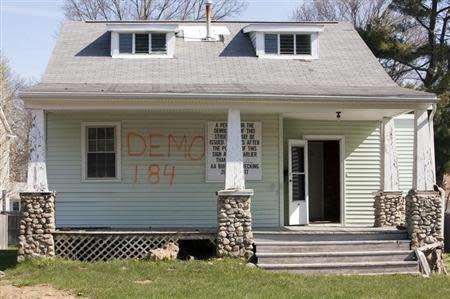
(287, 44)
(143, 43)
(285, 41)
(134, 40)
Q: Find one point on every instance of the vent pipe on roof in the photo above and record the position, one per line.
(208, 19)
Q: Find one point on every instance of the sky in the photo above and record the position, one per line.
(28, 29)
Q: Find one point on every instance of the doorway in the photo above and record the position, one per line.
(324, 181)
(315, 181)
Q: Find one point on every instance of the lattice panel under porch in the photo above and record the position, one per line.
(108, 247)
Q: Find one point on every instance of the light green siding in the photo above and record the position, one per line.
(362, 161)
(404, 134)
(189, 202)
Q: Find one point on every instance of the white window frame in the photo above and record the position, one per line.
(115, 49)
(117, 146)
(261, 49)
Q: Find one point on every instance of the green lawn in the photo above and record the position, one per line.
(214, 279)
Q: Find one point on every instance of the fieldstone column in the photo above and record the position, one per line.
(389, 209)
(234, 237)
(424, 217)
(37, 225)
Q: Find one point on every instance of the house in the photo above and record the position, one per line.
(141, 125)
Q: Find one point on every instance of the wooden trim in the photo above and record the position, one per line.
(118, 147)
(281, 166)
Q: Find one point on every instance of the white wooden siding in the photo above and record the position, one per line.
(404, 134)
(190, 202)
(362, 161)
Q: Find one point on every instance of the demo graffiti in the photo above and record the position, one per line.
(156, 146)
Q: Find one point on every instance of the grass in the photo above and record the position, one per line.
(212, 279)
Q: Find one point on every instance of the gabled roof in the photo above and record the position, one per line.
(81, 65)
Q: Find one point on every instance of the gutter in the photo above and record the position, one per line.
(227, 96)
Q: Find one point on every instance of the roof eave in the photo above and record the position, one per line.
(231, 96)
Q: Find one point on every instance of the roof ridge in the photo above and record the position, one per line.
(214, 21)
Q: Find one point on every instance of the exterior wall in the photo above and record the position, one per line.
(361, 165)
(404, 135)
(132, 202)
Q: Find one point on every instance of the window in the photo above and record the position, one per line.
(101, 151)
(16, 206)
(303, 44)
(271, 43)
(159, 43)
(142, 43)
(287, 44)
(126, 43)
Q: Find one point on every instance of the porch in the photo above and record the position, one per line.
(267, 153)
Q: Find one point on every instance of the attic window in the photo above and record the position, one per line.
(143, 43)
(287, 44)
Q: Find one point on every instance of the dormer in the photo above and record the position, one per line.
(141, 40)
(285, 41)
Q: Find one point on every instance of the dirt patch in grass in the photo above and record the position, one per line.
(7, 290)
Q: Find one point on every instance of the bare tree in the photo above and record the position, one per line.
(365, 15)
(357, 12)
(148, 9)
(18, 118)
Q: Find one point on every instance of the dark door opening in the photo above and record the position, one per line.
(324, 181)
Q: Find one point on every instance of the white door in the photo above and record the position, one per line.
(298, 182)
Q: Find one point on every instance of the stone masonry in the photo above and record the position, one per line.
(424, 217)
(37, 225)
(389, 209)
(234, 236)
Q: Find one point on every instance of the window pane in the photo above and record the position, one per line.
(271, 43)
(101, 133)
(101, 145)
(141, 43)
(109, 145)
(92, 146)
(125, 42)
(287, 44)
(109, 133)
(159, 43)
(92, 133)
(303, 44)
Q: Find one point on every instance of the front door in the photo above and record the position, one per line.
(298, 182)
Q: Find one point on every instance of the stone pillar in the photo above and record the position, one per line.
(389, 209)
(37, 225)
(234, 235)
(424, 217)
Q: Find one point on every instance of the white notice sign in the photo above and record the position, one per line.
(251, 148)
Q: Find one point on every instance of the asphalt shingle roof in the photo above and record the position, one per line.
(81, 61)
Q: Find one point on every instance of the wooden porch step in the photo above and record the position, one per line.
(329, 235)
(375, 268)
(336, 257)
(330, 246)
